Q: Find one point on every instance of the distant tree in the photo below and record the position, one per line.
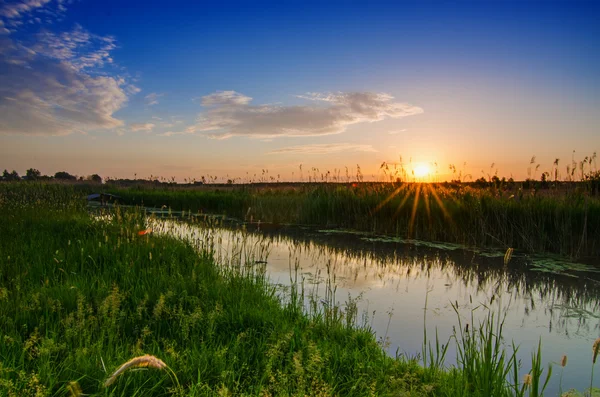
(481, 182)
(10, 176)
(94, 178)
(32, 174)
(65, 176)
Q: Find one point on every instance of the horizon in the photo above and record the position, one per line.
(231, 90)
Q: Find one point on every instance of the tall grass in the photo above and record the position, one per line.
(566, 223)
(81, 295)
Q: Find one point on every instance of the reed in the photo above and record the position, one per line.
(534, 221)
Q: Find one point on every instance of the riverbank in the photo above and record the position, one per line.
(81, 296)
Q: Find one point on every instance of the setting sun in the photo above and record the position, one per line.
(421, 170)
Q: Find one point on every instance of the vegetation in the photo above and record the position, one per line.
(86, 300)
(559, 213)
(565, 222)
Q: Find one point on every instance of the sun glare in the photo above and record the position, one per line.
(421, 170)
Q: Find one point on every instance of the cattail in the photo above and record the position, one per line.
(508, 255)
(595, 350)
(527, 380)
(146, 361)
(563, 361)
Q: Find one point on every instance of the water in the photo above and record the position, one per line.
(391, 282)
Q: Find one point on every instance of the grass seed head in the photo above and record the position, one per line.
(74, 389)
(563, 361)
(527, 380)
(146, 361)
(508, 255)
(595, 350)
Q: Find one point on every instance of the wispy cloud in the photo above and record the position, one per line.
(16, 9)
(78, 47)
(152, 98)
(230, 114)
(51, 83)
(225, 98)
(15, 12)
(326, 148)
(145, 127)
(396, 132)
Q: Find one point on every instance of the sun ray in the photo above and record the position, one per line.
(440, 204)
(390, 197)
(414, 210)
(426, 200)
(404, 200)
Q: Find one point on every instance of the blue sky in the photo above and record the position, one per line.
(187, 89)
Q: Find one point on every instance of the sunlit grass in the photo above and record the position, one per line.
(563, 223)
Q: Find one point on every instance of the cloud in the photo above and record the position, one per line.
(3, 30)
(152, 98)
(396, 132)
(78, 47)
(15, 13)
(326, 148)
(51, 85)
(16, 9)
(231, 98)
(146, 127)
(230, 114)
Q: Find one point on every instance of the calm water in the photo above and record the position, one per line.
(392, 280)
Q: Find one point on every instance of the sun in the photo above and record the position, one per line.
(421, 170)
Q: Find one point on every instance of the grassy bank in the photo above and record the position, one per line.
(80, 296)
(561, 222)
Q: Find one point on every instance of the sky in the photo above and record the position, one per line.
(287, 90)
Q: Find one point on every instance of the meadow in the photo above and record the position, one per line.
(83, 293)
(563, 220)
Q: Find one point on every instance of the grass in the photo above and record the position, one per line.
(565, 223)
(82, 295)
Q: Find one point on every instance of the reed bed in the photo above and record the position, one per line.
(561, 222)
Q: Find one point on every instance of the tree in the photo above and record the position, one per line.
(65, 176)
(10, 176)
(94, 178)
(32, 174)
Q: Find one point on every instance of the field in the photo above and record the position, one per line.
(563, 220)
(81, 294)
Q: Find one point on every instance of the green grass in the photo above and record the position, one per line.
(79, 296)
(565, 223)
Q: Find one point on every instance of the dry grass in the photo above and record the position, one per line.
(145, 361)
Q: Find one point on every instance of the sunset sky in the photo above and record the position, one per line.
(185, 89)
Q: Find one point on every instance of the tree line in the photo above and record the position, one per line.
(33, 174)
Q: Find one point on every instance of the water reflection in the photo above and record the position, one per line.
(394, 279)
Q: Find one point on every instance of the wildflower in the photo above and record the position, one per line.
(146, 361)
(144, 232)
